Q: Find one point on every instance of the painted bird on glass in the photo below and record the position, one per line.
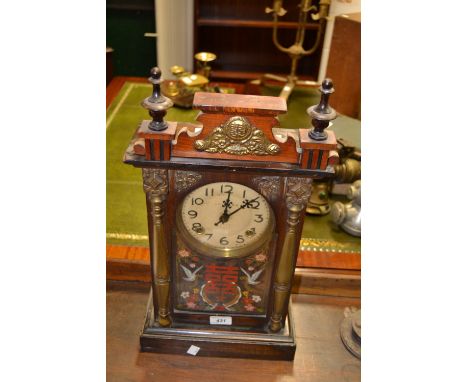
(190, 276)
(252, 279)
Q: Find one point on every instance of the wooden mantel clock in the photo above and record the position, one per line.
(225, 200)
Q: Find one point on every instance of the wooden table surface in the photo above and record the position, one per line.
(320, 355)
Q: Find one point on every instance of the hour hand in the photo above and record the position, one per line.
(225, 216)
(223, 219)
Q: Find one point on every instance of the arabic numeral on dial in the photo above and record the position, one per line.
(259, 218)
(197, 201)
(209, 235)
(250, 232)
(209, 192)
(226, 188)
(223, 241)
(196, 227)
(240, 239)
(192, 213)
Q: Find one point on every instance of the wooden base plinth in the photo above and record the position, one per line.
(218, 342)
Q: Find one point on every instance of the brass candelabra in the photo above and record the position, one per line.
(296, 51)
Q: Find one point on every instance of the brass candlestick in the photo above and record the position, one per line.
(296, 51)
(203, 58)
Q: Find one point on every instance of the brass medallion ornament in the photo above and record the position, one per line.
(238, 137)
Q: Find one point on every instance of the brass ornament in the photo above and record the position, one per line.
(182, 90)
(155, 181)
(298, 191)
(348, 171)
(237, 136)
(268, 186)
(186, 179)
(319, 203)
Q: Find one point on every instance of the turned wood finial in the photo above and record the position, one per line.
(322, 113)
(155, 79)
(157, 104)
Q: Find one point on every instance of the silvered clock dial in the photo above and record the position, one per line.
(225, 219)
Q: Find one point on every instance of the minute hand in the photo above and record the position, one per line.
(244, 205)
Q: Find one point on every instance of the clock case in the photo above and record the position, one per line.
(277, 163)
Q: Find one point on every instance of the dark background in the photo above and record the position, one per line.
(247, 49)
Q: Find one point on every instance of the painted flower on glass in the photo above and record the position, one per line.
(191, 305)
(184, 253)
(260, 257)
(185, 294)
(256, 298)
(250, 268)
(192, 265)
(196, 290)
(249, 307)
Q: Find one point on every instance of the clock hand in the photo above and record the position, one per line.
(244, 205)
(225, 216)
(222, 219)
(226, 203)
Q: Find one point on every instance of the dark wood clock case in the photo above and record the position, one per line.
(237, 138)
